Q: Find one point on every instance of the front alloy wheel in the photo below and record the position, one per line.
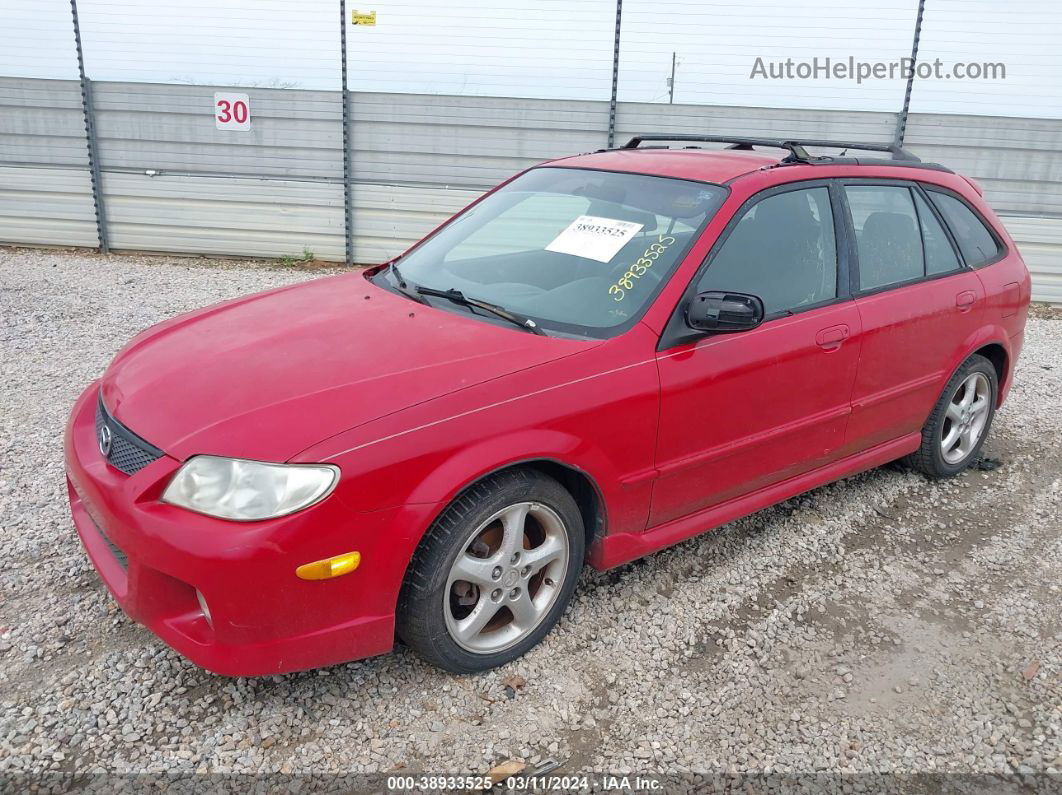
(494, 573)
(507, 578)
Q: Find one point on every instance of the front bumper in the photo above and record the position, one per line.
(153, 557)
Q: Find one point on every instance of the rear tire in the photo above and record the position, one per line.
(959, 423)
(493, 574)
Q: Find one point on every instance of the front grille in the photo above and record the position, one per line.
(129, 453)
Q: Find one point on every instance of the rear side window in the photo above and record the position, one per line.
(940, 254)
(888, 236)
(977, 244)
(782, 250)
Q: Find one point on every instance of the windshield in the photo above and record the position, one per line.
(577, 251)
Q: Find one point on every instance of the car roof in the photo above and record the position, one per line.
(722, 166)
(703, 165)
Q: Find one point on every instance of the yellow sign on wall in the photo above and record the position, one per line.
(358, 18)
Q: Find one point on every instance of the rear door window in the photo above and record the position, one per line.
(977, 244)
(888, 236)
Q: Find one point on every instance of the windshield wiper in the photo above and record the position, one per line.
(458, 297)
(408, 289)
(417, 293)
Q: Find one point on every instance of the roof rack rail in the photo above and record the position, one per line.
(798, 152)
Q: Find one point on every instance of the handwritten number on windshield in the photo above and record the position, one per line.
(641, 266)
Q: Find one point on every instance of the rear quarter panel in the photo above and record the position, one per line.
(1008, 291)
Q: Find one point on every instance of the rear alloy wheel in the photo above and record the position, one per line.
(494, 573)
(957, 427)
(965, 418)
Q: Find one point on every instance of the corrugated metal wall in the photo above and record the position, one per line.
(161, 126)
(46, 206)
(639, 117)
(1017, 163)
(240, 216)
(1015, 160)
(277, 189)
(466, 141)
(1040, 243)
(45, 192)
(41, 122)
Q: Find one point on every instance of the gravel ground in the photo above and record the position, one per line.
(884, 624)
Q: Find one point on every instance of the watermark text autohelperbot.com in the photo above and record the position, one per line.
(852, 69)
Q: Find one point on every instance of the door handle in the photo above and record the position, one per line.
(832, 337)
(965, 300)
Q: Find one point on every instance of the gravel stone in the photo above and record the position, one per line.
(881, 623)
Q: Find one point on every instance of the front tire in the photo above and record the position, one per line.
(494, 572)
(958, 426)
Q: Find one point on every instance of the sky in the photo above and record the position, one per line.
(559, 49)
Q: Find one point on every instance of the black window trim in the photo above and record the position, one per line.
(916, 187)
(920, 189)
(915, 195)
(1002, 250)
(676, 332)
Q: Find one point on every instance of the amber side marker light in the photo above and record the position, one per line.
(329, 567)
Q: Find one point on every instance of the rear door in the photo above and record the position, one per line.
(741, 411)
(918, 304)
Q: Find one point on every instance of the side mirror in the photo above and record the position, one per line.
(719, 311)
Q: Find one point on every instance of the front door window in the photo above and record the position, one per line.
(782, 250)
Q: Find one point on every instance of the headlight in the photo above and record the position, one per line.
(246, 491)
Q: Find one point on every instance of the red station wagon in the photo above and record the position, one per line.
(605, 355)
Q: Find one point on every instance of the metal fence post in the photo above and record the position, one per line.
(901, 122)
(615, 77)
(348, 199)
(90, 137)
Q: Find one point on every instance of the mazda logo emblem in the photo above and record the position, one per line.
(103, 438)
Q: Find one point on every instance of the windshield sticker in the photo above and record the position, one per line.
(641, 266)
(591, 237)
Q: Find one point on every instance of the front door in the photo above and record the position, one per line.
(741, 411)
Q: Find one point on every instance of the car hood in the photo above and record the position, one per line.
(268, 375)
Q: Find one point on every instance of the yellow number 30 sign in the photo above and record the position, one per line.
(358, 18)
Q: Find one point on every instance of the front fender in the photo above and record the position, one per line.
(474, 462)
(595, 412)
